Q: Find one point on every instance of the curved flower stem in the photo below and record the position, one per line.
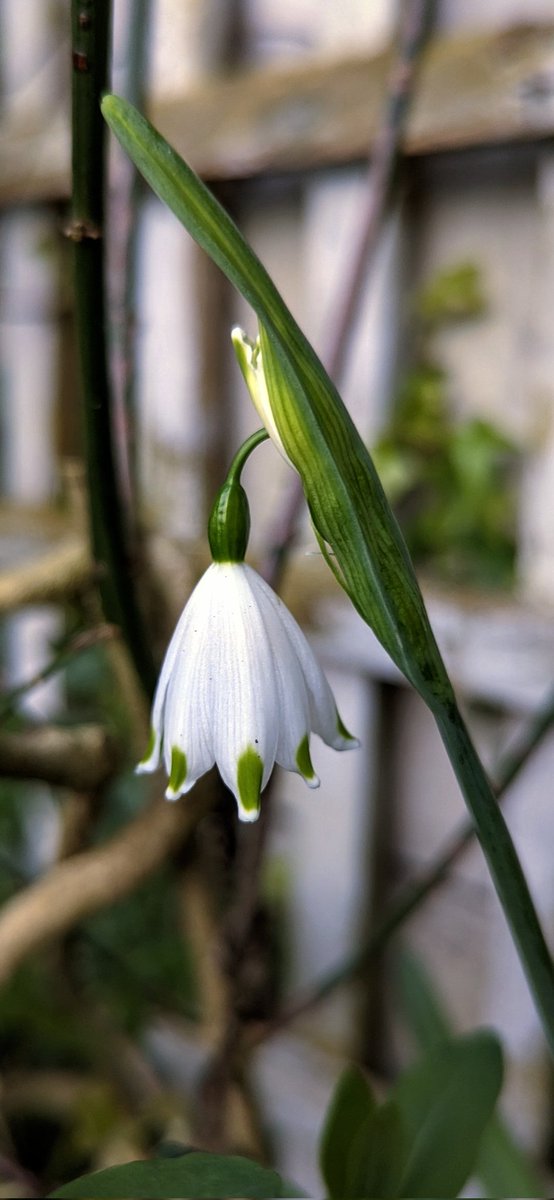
(90, 41)
(414, 894)
(244, 452)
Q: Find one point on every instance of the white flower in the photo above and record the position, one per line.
(239, 687)
(249, 357)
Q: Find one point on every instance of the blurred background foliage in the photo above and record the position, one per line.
(452, 481)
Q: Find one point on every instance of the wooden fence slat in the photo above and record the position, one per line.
(475, 89)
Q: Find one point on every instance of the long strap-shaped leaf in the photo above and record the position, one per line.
(356, 528)
(348, 505)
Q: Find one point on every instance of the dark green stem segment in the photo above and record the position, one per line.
(229, 523)
(504, 865)
(90, 21)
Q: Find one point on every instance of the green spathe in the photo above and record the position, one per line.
(229, 523)
(249, 781)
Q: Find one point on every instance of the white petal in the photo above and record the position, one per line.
(324, 717)
(293, 703)
(152, 758)
(187, 717)
(243, 713)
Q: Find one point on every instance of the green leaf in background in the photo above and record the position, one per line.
(376, 1156)
(424, 1140)
(456, 293)
(446, 1102)
(195, 1174)
(352, 1105)
(502, 1167)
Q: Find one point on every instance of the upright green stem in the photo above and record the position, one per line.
(411, 897)
(90, 42)
(504, 865)
(139, 25)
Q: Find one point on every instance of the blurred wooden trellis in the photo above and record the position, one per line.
(286, 144)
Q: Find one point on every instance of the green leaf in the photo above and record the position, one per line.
(502, 1166)
(421, 1006)
(195, 1174)
(356, 529)
(446, 1102)
(346, 500)
(377, 1154)
(352, 1105)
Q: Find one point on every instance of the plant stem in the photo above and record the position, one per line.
(90, 41)
(243, 453)
(125, 226)
(416, 892)
(504, 865)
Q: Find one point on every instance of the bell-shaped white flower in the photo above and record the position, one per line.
(239, 687)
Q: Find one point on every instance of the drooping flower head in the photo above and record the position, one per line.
(240, 686)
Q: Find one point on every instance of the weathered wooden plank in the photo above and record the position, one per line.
(474, 90)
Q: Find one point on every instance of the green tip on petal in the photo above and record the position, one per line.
(304, 763)
(144, 762)
(177, 774)
(345, 734)
(249, 784)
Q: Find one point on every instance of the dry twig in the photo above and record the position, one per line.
(63, 571)
(95, 879)
(82, 758)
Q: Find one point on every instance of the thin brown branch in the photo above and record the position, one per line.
(63, 571)
(199, 928)
(77, 815)
(82, 758)
(76, 645)
(385, 160)
(95, 879)
(343, 311)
